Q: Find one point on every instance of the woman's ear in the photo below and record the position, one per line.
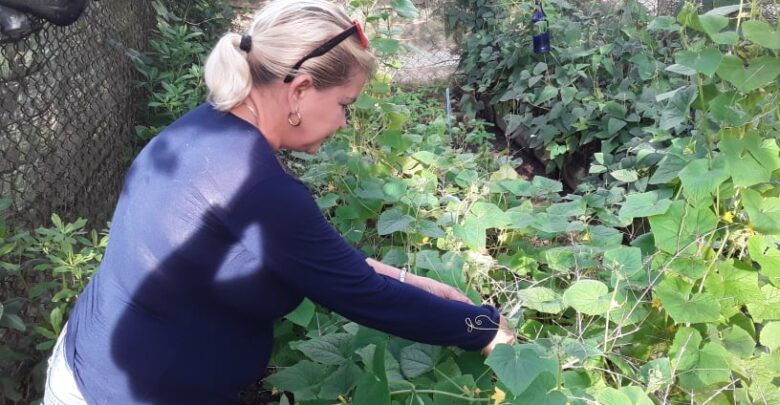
(298, 88)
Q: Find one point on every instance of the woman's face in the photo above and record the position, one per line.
(323, 112)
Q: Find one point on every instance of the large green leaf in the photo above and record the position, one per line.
(341, 381)
(766, 307)
(542, 299)
(737, 341)
(680, 226)
(303, 379)
(770, 336)
(302, 314)
(727, 108)
(542, 391)
(677, 110)
(711, 368)
(472, 232)
(759, 73)
(418, 358)
(764, 212)
(684, 352)
(647, 204)
(750, 159)
(705, 61)
(331, 349)
(590, 297)
(624, 262)
(761, 33)
(733, 285)
(394, 220)
(629, 395)
(489, 215)
(405, 8)
(370, 391)
(701, 179)
(517, 366)
(765, 250)
(657, 374)
(683, 305)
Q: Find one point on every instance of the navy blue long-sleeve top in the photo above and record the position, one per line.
(211, 241)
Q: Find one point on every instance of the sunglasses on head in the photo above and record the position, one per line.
(327, 46)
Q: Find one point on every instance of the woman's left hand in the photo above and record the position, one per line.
(437, 288)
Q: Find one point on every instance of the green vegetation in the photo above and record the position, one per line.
(656, 281)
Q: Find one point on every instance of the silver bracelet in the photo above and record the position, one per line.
(402, 276)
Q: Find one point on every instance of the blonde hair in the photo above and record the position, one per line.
(283, 32)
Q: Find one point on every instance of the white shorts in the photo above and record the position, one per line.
(61, 387)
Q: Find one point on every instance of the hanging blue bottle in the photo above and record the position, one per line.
(540, 28)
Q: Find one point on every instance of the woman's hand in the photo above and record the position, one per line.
(504, 335)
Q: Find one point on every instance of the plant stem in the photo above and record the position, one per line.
(437, 392)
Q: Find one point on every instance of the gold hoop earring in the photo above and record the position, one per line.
(298, 118)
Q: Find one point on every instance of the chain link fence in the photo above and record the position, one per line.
(68, 107)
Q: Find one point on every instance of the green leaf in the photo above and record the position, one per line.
(371, 391)
(677, 110)
(489, 215)
(405, 8)
(713, 24)
(759, 73)
(614, 125)
(767, 307)
(733, 285)
(680, 226)
(705, 61)
(12, 321)
(684, 353)
(736, 340)
(517, 366)
(302, 314)
(590, 297)
(668, 169)
(472, 232)
(418, 358)
(624, 262)
(567, 94)
(764, 212)
(750, 159)
(542, 299)
(330, 349)
(327, 201)
(700, 181)
(711, 368)
(726, 107)
(770, 336)
(385, 46)
(394, 220)
(761, 33)
(55, 318)
(303, 379)
(625, 396)
(684, 306)
(394, 190)
(425, 157)
(765, 250)
(657, 374)
(642, 205)
(542, 391)
(543, 186)
(547, 93)
(341, 381)
(625, 175)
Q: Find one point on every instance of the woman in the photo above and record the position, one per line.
(212, 239)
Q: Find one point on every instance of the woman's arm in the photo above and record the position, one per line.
(432, 286)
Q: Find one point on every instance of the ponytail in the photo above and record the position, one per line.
(227, 73)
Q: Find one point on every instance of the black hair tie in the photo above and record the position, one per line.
(246, 43)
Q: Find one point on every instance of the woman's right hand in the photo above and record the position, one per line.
(504, 335)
